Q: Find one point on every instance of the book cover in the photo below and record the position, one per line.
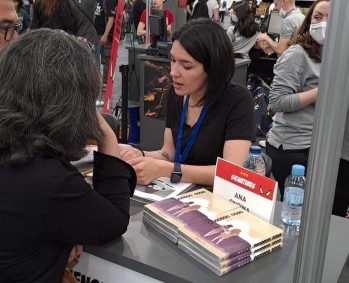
(188, 208)
(160, 189)
(230, 233)
(235, 263)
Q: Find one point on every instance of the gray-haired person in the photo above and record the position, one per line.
(49, 85)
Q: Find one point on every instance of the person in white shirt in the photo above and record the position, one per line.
(213, 9)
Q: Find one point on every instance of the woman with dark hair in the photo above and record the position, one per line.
(206, 115)
(293, 94)
(23, 16)
(47, 116)
(243, 34)
(53, 14)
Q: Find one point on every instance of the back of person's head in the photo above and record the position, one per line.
(246, 24)
(208, 43)
(49, 85)
(49, 6)
(303, 37)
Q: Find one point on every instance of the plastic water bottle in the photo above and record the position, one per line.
(255, 161)
(291, 211)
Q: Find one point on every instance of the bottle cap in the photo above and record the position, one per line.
(255, 149)
(298, 170)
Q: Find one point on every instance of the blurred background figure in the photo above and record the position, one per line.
(222, 10)
(53, 14)
(23, 16)
(244, 31)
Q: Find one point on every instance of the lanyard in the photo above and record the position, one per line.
(182, 157)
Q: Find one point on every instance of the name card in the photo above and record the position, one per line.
(252, 192)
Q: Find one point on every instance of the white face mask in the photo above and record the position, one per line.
(282, 13)
(234, 18)
(318, 31)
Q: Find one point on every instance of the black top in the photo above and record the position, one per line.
(83, 12)
(104, 10)
(231, 118)
(61, 18)
(137, 9)
(46, 207)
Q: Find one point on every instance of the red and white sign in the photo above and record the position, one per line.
(252, 192)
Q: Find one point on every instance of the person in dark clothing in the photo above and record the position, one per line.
(137, 9)
(22, 15)
(53, 14)
(83, 13)
(189, 7)
(202, 65)
(104, 24)
(47, 208)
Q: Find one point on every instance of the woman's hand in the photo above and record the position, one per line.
(128, 152)
(148, 169)
(75, 252)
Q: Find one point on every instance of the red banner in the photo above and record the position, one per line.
(113, 56)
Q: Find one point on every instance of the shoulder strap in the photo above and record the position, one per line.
(83, 12)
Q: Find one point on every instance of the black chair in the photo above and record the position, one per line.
(268, 164)
(113, 122)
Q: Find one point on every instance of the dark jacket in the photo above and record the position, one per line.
(83, 12)
(61, 18)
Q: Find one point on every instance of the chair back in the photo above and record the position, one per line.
(268, 164)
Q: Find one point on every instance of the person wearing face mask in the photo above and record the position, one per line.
(293, 94)
(243, 34)
(293, 18)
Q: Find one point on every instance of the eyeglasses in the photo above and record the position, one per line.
(10, 30)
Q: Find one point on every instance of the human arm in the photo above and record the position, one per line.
(278, 46)
(148, 169)
(216, 14)
(78, 214)
(107, 30)
(290, 90)
(190, 12)
(141, 25)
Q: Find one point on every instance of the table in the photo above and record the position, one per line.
(144, 250)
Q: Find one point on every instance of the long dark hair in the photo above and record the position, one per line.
(246, 25)
(49, 6)
(208, 43)
(304, 39)
(49, 85)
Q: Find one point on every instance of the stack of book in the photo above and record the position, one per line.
(214, 231)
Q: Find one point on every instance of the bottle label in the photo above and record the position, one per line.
(294, 197)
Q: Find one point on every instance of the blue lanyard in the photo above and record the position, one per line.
(181, 158)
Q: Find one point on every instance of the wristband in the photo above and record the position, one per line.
(142, 152)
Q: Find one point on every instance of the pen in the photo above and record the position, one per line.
(87, 172)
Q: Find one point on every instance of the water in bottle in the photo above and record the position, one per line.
(255, 161)
(291, 211)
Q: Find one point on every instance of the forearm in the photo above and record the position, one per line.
(158, 154)
(203, 175)
(109, 26)
(307, 97)
(216, 15)
(141, 29)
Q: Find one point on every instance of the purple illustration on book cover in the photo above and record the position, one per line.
(183, 211)
(223, 237)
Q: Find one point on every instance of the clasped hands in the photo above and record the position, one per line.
(146, 168)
